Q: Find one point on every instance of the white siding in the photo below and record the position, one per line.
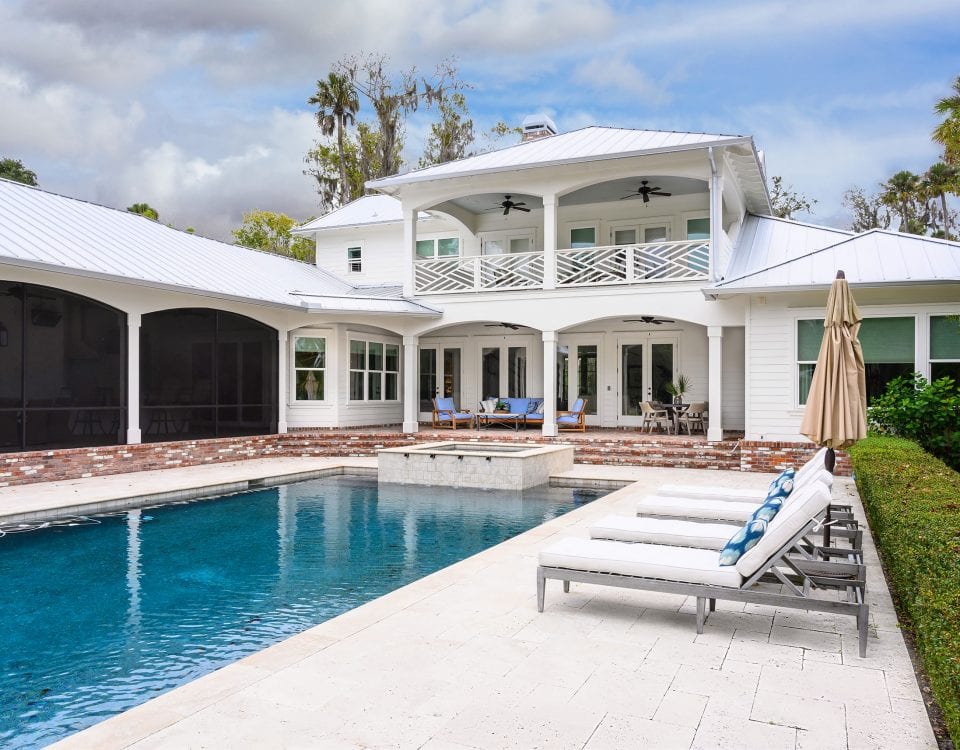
(733, 378)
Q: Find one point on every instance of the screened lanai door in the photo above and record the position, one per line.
(646, 366)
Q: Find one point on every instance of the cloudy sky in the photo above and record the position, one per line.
(199, 107)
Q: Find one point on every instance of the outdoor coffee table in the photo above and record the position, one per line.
(502, 419)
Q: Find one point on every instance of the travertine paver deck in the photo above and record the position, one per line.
(462, 659)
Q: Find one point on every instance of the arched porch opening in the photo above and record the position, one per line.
(206, 373)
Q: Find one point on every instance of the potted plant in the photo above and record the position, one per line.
(677, 388)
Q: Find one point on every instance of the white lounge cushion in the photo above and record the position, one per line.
(683, 564)
(810, 501)
(664, 531)
(690, 507)
(811, 468)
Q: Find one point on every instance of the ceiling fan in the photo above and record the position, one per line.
(511, 326)
(644, 191)
(508, 205)
(649, 319)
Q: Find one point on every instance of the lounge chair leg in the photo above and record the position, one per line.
(863, 619)
(701, 613)
(541, 588)
(713, 605)
(566, 587)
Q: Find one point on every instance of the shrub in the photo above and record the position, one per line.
(912, 501)
(926, 412)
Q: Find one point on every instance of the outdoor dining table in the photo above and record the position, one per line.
(504, 419)
(674, 411)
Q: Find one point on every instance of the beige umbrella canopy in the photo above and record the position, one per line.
(836, 411)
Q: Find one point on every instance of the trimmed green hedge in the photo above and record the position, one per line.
(912, 501)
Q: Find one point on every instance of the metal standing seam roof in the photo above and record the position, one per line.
(365, 211)
(874, 258)
(52, 232)
(585, 144)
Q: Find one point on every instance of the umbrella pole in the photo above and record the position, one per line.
(830, 463)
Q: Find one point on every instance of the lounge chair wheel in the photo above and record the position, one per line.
(713, 605)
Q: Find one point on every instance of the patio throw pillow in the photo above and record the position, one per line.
(535, 406)
(782, 486)
(768, 510)
(743, 540)
(489, 405)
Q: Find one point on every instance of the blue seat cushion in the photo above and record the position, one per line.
(445, 415)
(568, 419)
(746, 538)
(445, 404)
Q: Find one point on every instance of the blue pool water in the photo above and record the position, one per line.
(100, 617)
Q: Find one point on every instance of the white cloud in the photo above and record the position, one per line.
(615, 75)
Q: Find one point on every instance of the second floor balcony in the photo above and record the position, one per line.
(653, 262)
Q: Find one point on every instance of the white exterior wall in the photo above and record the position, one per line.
(772, 410)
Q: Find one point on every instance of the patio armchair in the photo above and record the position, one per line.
(445, 414)
(693, 418)
(573, 419)
(653, 417)
(698, 573)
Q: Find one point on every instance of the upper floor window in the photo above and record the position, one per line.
(698, 229)
(309, 367)
(354, 259)
(583, 237)
(513, 241)
(945, 347)
(888, 352)
(442, 247)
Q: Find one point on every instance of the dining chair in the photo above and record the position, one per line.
(652, 416)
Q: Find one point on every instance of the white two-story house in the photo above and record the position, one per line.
(601, 263)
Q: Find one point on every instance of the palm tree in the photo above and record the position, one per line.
(337, 104)
(899, 192)
(939, 180)
(947, 132)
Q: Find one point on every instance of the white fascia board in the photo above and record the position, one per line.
(385, 184)
(715, 293)
(100, 276)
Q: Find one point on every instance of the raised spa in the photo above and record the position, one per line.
(495, 466)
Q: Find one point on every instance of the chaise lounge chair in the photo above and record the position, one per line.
(698, 573)
(445, 414)
(574, 418)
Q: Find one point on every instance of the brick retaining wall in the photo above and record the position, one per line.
(604, 448)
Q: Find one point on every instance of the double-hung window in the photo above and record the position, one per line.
(309, 367)
(888, 352)
(945, 347)
(354, 259)
(441, 247)
(374, 371)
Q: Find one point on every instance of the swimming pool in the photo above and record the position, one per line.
(103, 616)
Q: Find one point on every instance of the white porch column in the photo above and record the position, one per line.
(409, 250)
(283, 368)
(411, 397)
(549, 244)
(715, 382)
(549, 428)
(133, 378)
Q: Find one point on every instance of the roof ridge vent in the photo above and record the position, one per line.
(537, 126)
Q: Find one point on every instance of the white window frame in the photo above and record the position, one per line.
(368, 339)
(504, 237)
(323, 336)
(688, 215)
(358, 261)
(435, 239)
(928, 325)
(570, 226)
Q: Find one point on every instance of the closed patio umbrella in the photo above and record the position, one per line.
(836, 410)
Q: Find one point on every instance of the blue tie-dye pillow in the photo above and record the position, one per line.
(743, 540)
(782, 486)
(768, 510)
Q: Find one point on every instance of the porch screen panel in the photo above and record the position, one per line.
(490, 372)
(428, 378)
(62, 369)
(517, 372)
(587, 376)
(631, 374)
(945, 348)
(206, 373)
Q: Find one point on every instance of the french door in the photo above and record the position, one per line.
(440, 374)
(646, 365)
(578, 374)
